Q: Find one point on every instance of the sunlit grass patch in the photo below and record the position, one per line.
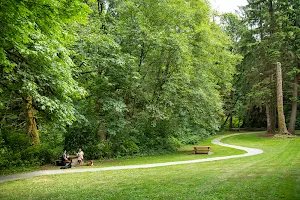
(272, 175)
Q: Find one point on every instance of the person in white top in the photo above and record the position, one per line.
(80, 156)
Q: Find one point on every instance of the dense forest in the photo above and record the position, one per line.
(131, 77)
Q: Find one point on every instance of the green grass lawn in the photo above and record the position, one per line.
(275, 174)
(184, 153)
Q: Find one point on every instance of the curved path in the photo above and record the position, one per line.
(250, 152)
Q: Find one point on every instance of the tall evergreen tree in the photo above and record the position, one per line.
(263, 18)
(290, 18)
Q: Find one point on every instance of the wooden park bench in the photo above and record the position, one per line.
(202, 149)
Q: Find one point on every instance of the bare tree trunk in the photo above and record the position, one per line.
(294, 105)
(273, 104)
(32, 130)
(269, 127)
(225, 120)
(230, 121)
(273, 113)
(281, 119)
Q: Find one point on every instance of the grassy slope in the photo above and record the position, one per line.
(275, 174)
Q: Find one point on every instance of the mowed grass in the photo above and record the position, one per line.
(275, 174)
(184, 153)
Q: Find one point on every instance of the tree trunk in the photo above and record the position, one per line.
(273, 104)
(230, 121)
(273, 113)
(281, 119)
(32, 130)
(294, 105)
(225, 121)
(272, 17)
(269, 127)
(102, 132)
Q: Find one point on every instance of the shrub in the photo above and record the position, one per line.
(193, 137)
(127, 147)
(49, 154)
(100, 150)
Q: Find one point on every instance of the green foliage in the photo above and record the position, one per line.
(16, 150)
(263, 35)
(36, 60)
(138, 78)
(191, 137)
(151, 74)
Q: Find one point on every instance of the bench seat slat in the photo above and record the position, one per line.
(202, 149)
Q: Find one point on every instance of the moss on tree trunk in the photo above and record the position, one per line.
(32, 130)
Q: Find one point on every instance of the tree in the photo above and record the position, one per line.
(154, 75)
(289, 15)
(281, 119)
(263, 18)
(35, 64)
(274, 28)
(235, 28)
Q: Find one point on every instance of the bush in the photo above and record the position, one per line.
(128, 147)
(192, 139)
(5, 155)
(195, 137)
(174, 143)
(48, 154)
(30, 153)
(95, 151)
(17, 152)
(11, 159)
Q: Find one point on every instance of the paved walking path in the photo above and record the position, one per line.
(250, 152)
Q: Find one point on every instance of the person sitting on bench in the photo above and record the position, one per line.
(65, 158)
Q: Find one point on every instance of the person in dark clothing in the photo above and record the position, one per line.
(65, 160)
(64, 157)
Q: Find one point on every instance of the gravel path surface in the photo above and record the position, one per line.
(250, 152)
